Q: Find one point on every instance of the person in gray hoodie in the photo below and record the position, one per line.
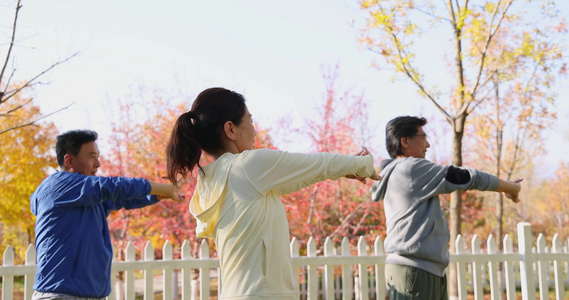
(417, 230)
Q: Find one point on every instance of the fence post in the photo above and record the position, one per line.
(347, 275)
(557, 269)
(29, 279)
(328, 270)
(312, 274)
(527, 274)
(362, 270)
(148, 274)
(379, 269)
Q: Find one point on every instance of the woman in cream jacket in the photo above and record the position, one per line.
(236, 201)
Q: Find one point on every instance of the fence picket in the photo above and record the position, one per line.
(129, 274)
(526, 264)
(312, 271)
(379, 273)
(532, 266)
(328, 270)
(542, 271)
(363, 270)
(29, 278)
(187, 273)
(8, 280)
(476, 270)
(148, 274)
(509, 268)
(461, 268)
(347, 274)
(495, 294)
(204, 272)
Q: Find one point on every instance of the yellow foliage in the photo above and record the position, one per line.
(26, 159)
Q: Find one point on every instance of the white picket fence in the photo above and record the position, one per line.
(534, 268)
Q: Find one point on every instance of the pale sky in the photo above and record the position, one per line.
(270, 51)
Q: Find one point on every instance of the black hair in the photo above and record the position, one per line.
(405, 126)
(201, 128)
(71, 141)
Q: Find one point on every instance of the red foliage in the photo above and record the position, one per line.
(340, 208)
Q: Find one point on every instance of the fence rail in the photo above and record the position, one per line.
(534, 268)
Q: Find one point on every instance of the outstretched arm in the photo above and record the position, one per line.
(510, 188)
(163, 190)
(374, 176)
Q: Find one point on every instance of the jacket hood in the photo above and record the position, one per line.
(379, 187)
(208, 195)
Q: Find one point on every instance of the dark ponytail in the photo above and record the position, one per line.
(200, 130)
(183, 152)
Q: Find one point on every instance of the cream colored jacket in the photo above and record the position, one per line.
(236, 202)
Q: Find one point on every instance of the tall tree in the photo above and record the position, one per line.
(394, 26)
(27, 157)
(9, 91)
(554, 212)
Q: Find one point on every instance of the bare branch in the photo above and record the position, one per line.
(29, 83)
(16, 108)
(35, 121)
(18, 6)
(3, 93)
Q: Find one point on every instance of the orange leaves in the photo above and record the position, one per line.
(27, 157)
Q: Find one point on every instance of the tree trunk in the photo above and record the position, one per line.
(455, 203)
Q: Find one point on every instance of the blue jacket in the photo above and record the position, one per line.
(73, 245)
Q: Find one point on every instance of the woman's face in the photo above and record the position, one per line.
(246, 133)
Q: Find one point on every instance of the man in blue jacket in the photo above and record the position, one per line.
(417, 230)
(73, 244)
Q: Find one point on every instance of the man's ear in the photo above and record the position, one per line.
(67, 161)
(404, 142)
(229, 129)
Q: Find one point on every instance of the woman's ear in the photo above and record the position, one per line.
(229, 130)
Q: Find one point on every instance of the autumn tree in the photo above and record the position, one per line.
(9, 91)
(393, 31)
(140, 132)
(554, 211)
(340, 208)
(27, 157)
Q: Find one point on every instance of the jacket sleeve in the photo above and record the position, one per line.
(114, 192)
(432, 179)
(288, 172)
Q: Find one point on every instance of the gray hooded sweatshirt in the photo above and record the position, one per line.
(417, 230)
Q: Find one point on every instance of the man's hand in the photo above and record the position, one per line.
(165, 191)
(514, 194)
(374, 176)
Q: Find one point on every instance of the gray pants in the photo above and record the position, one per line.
(53, 296)
(410, 283)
